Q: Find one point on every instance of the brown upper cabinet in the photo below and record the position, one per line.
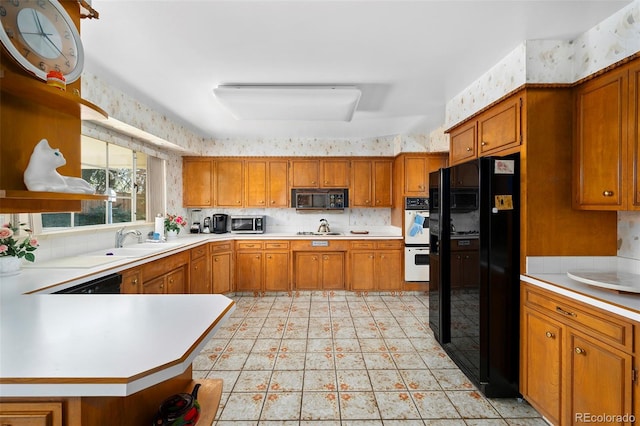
(197, 182)
(371, 183)
(315, 173)
(266, 183)
(413, 171)
(607, 141)
(497, 129)
(229, 181)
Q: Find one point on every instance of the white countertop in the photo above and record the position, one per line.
(626, 305)
(109, 345)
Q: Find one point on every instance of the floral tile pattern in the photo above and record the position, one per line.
(342, 359)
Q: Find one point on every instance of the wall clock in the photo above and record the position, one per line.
(41, 36)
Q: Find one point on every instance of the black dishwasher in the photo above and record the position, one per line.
(109, 284)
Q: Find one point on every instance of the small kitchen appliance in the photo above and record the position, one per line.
(319, 199)
(219, 223)
(195, 222)
(206, 225)
(247, 224)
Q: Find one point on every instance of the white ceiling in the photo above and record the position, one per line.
(408, 57)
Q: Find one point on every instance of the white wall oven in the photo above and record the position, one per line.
(416, 239)
(416, 263)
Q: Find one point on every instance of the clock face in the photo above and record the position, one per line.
(42, 37)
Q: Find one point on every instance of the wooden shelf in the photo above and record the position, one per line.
(209, 396)
(37, 195)
(57, 99)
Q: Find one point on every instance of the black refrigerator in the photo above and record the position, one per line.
(474, 226)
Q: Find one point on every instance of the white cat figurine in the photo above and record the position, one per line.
(41, 174)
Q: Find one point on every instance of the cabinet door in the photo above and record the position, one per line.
(541, 368)
(388, 270)
(31, 413)
(499, 127)
(363, 276)
(335, 173)
(600, 142)
(256, 183)
(199, 278)
(221, 272)
(131, 280)
(176, 280)
(197, 182)
(276, 271)
(277, 188)
(361, 183)
(383, 183)
(154, 286)
(249, 271)
(599, 379)
(307, 271)
(332, 271)
(229, 183)
(304, 173)
(415, 168)
(463, 144)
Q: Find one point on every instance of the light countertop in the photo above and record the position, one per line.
(109, 345)
(626, 305)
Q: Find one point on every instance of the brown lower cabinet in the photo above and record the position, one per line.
(376, 265)
(319, 270)
(31, 413)
(221, 266)
(262, 266)
(576, 360)
(199, 275)
(168, 275)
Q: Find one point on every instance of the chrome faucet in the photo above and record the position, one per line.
(121, 236)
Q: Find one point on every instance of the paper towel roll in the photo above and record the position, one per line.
(159, 226)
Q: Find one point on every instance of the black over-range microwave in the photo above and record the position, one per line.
(319, 199)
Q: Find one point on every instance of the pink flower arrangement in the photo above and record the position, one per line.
(174, 223)
(10, 246)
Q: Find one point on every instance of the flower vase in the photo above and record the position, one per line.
(9, 265)
(172, 234)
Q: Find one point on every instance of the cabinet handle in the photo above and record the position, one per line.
(607, 193)
(134, 281)
(273, 201)
(171, 281)
(257, 256)
(261, 201)
(580, 351)
(550, 335)
(269, 257)
(196, 268)
(215, 259)
(484, 144)
(563, 312)
(468, 149)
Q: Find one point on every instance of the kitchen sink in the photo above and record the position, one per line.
(136, 250)
(318, 233)
(159, 246)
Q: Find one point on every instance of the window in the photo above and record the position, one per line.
(119, 172)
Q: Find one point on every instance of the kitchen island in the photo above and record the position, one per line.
(99, 359)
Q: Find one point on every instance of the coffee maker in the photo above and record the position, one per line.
(219, 223)
(195, 222)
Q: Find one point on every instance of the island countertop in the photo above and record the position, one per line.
(102, 345)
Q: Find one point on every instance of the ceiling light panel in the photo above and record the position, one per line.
(289, 102)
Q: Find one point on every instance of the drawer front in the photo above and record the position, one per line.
(198, 252)
(162, 266)
(220, 247)
(600, 324)
(248, 245)
(391, 244)
(366, 245)
(276, 245)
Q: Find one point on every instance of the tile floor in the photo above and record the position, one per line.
(338, 358)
